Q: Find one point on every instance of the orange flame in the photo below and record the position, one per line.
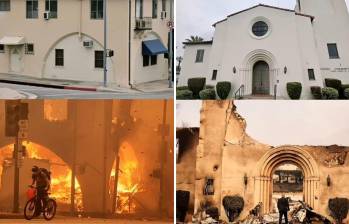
(129, 181)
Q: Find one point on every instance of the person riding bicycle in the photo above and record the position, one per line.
(41, 180)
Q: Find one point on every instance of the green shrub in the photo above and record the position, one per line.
(339, 208)
(182, 88)
(346, 93)
(294, 90)
(208, 94)
(341, 93)
(223, 89)
(329, 93)
(233, 206)
(184, 95)
(316, 92)
(196, 85)
(334, 83)
(209, 87)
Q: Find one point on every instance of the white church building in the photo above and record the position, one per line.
(262, 48)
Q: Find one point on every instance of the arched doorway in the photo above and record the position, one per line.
(287, 180)
(279, 156)
(261, 78)
(38, 155)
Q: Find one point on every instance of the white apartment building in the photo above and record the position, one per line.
(63, 39)
(262, 48)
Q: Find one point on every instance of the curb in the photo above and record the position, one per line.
(48, 85)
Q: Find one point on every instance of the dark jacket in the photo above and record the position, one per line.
(283, 205)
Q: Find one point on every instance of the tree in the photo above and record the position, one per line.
(194, 39)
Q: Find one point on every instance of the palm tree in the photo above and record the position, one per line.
(194, 39)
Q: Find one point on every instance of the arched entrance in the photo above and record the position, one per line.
(276, 157)
(261, 78)
(287, 180)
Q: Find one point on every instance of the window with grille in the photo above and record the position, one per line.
(153, 59)
(52, 7)
(5, 5)
(333, 51)
(214, 74)
(59, 57)
(199, 56)
(311, 74)
(99, 59)
(29, 48)
(96, 9)
(155, 9)
(32, 9)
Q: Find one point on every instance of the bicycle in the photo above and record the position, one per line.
(30, 209)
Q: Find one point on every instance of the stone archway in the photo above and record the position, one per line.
(249, 62)
(276, 157)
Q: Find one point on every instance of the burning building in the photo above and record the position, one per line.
(107, 157)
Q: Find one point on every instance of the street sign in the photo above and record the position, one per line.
(170, 24)
(23, 124)
(22, 134)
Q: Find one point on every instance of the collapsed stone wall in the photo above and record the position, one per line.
(227, 154)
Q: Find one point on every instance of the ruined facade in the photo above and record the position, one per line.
(239, 165)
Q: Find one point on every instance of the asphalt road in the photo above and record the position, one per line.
(50, 93)
(82, 221)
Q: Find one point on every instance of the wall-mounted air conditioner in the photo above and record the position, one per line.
(88, 43)
(163, 15)
(47, 15)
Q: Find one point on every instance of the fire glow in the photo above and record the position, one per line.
(61, 174)
(129, 180)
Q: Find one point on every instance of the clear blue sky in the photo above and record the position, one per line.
(195, 17)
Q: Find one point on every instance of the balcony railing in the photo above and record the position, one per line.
(144, 23)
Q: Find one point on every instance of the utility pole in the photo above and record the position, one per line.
(16, 125)
(16, 176)
(163, 149)
(171, 40)
(75, 148)
(105, 43)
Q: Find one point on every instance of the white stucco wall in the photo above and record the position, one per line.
(74, 17)
(79, 61)
(293, 41)
(191, 69)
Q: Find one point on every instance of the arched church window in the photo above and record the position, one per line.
(260, 28)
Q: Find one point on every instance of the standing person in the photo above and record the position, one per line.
(283, 207)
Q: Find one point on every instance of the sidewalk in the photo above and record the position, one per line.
(151, 87)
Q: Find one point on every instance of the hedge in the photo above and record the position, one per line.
(346, 93)
(329, 93)
(207, 94)
(294, 90)
(334, 83)
(223, 89)
(209, 87)
(196, 85)
(184, 95)
(316, 92)
(182, 88)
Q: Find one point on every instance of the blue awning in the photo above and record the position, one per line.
(153, 47)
